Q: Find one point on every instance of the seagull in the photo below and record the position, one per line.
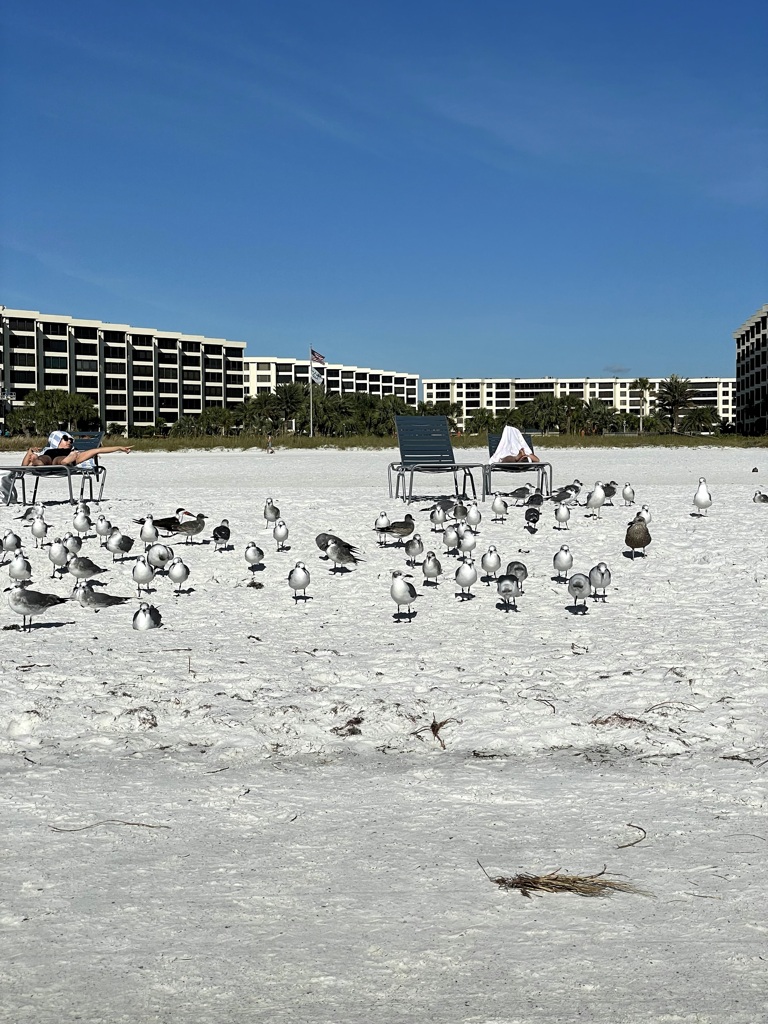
(271, 513)
(508, 588)
(402, 593)
(191, 527)
(473, 517)
(92, 600)
(579, 588)
(29, 513)
(596, 499)
(381, 526)
(81, 522)
(645, 515)
(143, 573)
(600, 578)
(72, 543)
(82, 568)
(499, 508)
(491, 563)
(535, 500)
(450, 538)
(401, 529)
(147, 617)
(103, 528)
(702, 499)
(562, 561)
(459, 511)
(610, 491)
(466, 577)
(532, 516)
(178, 573)
(467, 543)
(253, 555)
(83, 506)
(30, 603)
(149, 534)
(628, 494)
(11, 541)
(19, 567)
(760, 498)
(118, 543)
(167, 523)
(519, 571)
(59, 556)
(341, 554)
(562, 515)
(159, 555)
(39, 530)
(565, 496)
(431, 567)
(437, 517)
(298, 580)
(280, 534)
(414, 548)
(521, 494)
(323, 541)
(637, 535)
(221, 535)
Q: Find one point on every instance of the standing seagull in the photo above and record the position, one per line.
(508, 588)
(579, 588)
(298, 580)
(271, 513)
(81, 522)
(596, 499)
(381, 526)
(402, 593)
(450, 538)
(159, 555)
(521, 494)
(143, 574)
(59, 556)
(341, 554)
(147, 617)
(11, 541)
(562, 515)
(474, 517)
(119, 543)
(413, 548)
(167, 523)
(103, 529)
(532, 516)
(490, 563)
(645, 515)
(20, 568)
(280, 534)
(39, 530)
(72, 543)
(437, 517)
(30, 603)
(610, 491)
(600, 578)
(253, 555)
(702, 499)
(637, 535)
(519, 571)
(221, 535)
(628, 494)
(178, 573)
(466, 577)
(93, 601)
(499, 508)
(82, 568)
(562, 561)
(149, 534)
(431, 568)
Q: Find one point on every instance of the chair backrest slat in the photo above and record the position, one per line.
(424, 440)
(85, 439)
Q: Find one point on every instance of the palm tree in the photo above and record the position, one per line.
(675, 395)
(644, 386)
(571, 411)
(699, 418)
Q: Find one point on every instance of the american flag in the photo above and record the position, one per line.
(316, 357)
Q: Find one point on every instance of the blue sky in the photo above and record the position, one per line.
(448, 188)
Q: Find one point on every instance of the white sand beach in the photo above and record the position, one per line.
(257, 823)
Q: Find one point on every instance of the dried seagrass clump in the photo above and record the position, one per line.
(582, 885)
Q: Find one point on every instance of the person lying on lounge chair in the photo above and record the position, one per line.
(60, 451)
(513, 448)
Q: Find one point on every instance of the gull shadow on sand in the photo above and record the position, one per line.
(577, 609)
(638, 554)
(503, 606)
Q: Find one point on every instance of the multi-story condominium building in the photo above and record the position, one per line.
(264, 373)
(135, 375)
(499, 394)
(751, 372)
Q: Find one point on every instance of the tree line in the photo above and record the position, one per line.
(354, 413)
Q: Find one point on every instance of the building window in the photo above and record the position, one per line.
(89, 333)
(87, 365)
(84, 349)
(55, 362)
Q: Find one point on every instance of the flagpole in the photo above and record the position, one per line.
(311, 421)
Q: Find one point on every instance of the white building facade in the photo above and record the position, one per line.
(500, 394)
(752, 373)
(265, 373)
(134, 375)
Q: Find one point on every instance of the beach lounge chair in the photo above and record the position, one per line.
(425, 447)
(543, 470)
(89, 471)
